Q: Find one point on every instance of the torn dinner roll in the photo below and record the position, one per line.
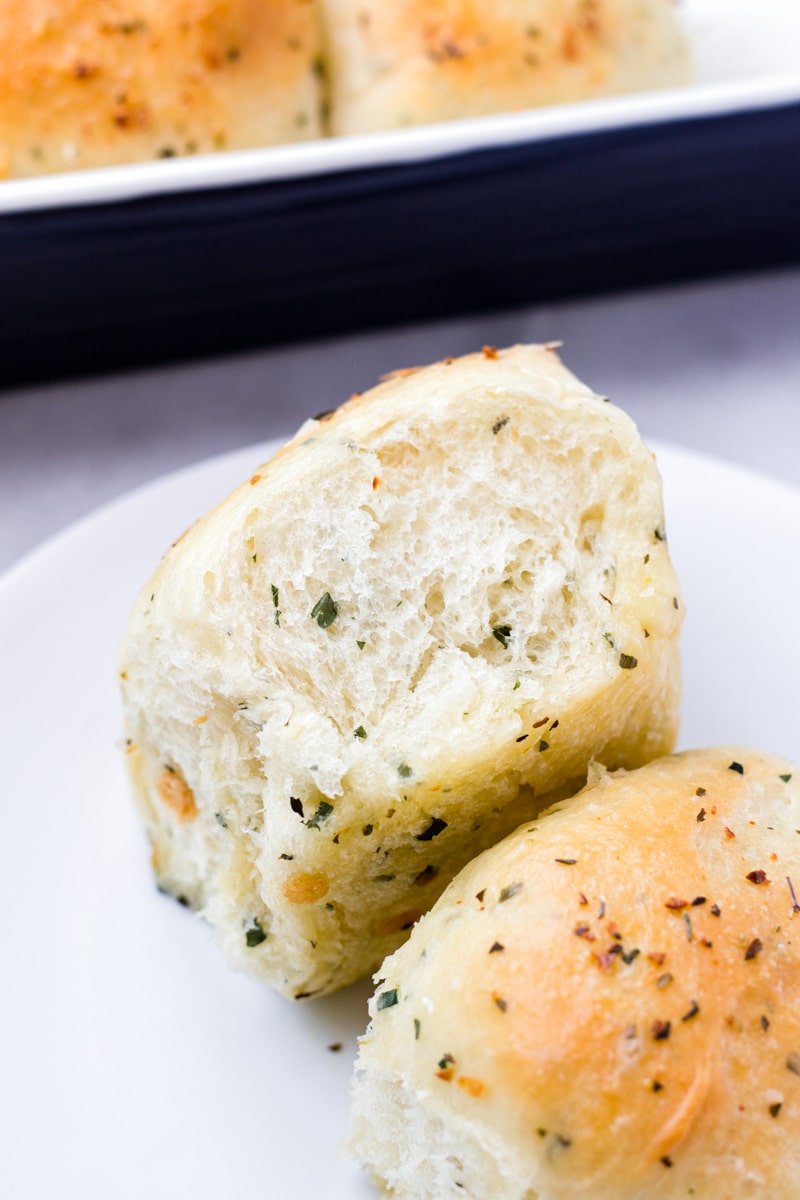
(406, 633)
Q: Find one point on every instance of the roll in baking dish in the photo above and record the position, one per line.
(87, 83)
(413, 62)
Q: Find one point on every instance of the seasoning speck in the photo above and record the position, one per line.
(325, 611)
(507, 892)
(757, 876)
(755, 947)
(736, 766)
(323, 811)
(255, 935)
(387, 999)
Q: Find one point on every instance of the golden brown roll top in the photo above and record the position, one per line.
(605, 1005)
(85, 83)
(414, 62)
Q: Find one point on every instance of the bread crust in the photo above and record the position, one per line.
(618, 983)
(89, 83)
(410, 630)
(411, 63)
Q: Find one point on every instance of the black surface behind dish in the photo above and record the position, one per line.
(99, 288)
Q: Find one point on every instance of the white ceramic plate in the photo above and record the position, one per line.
(133, 1063)
(745, 55)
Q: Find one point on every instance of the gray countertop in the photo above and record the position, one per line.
(713, 366)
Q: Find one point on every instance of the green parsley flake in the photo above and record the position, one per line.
(255, 935)
(387, 999)
(324, 810)
(360, 732)
(502, 633)
(325, 611)
(628, 662)
(404, 770)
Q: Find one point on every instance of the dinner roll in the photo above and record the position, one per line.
(605, 1005)
(412, 62)
(398, 639)
(88, 83)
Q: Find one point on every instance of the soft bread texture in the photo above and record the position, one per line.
(605, 1005)
(413, 62)
(86, 83)
(405, 634)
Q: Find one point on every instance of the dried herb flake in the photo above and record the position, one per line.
(325, 611)
(324, 810)
(755, 947)
(255, 935)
